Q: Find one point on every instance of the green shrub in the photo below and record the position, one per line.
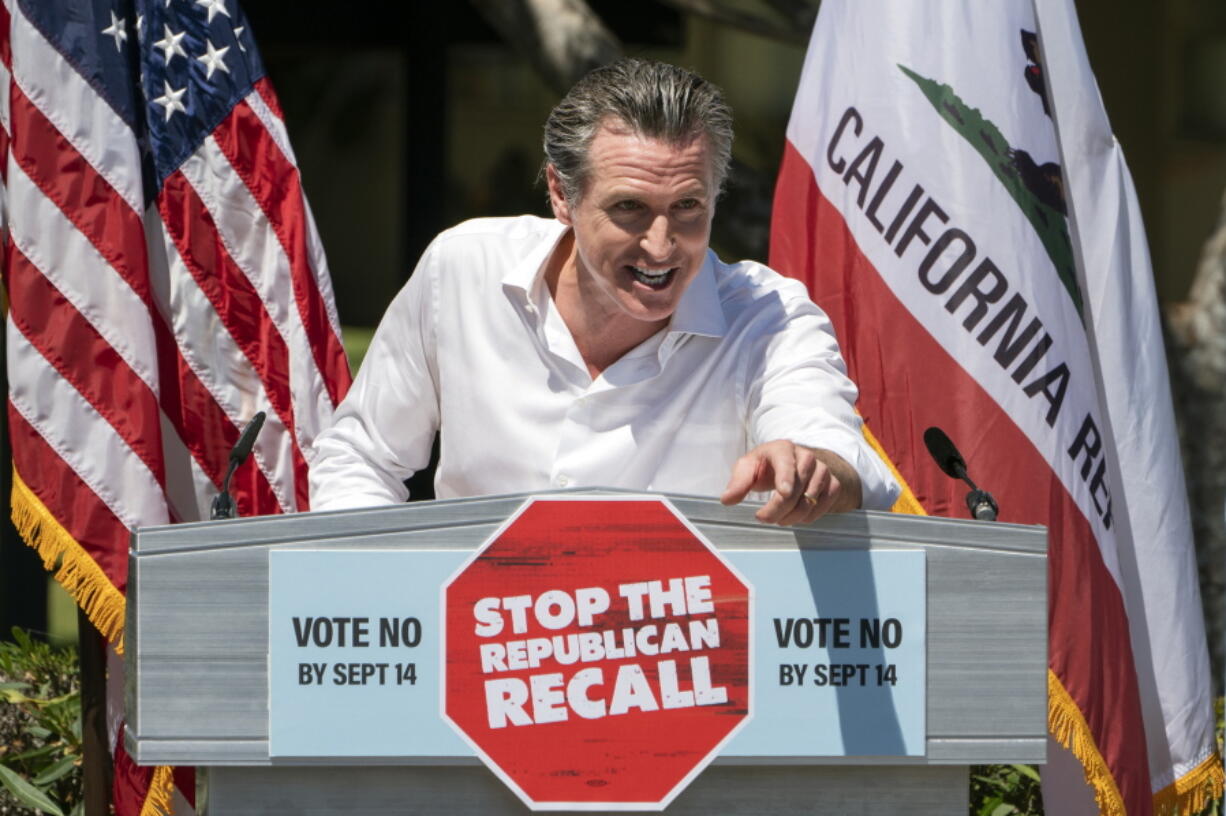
(1005, 790)
(40, 728)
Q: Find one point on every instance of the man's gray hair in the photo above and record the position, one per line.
(654, 99)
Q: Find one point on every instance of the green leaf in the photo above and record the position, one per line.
(1028, 771)
(37, 752)
(989, 805)
(12, 695)
(60, 768)
(1004, 809)
(26, 793)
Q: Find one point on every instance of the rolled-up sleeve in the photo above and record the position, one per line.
(383, 430)
(797, 389)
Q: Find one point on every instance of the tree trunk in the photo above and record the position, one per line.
(1197, 352)
(562, 39)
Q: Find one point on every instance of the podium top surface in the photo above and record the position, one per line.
(851, 529)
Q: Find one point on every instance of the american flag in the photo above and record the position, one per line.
(165, 282)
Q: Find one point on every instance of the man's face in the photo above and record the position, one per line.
(642, 224)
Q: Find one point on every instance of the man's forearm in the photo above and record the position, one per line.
(850, 495)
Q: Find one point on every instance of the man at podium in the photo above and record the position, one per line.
(607, 346)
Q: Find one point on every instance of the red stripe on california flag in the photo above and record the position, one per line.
(76, 506)
(191, 227)
(82, 357)
(81, 193)
(275, 184)
(264, 88)
(907, 383)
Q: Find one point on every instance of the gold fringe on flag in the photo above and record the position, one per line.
(1067, 725)
(79, 574)
(1192, 792)
(161, 789)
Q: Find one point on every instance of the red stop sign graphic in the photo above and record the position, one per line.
(596, 653)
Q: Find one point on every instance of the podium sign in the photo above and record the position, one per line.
(840, 647)
(353, 661)
(261, 649)
(596, 653)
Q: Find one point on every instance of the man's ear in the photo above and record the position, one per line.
(557, 195)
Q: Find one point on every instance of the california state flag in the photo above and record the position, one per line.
(953, 196)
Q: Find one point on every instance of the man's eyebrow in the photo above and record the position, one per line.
(697, 190)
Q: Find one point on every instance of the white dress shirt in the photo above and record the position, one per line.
(474, 345)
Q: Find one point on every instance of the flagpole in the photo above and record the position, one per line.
(96, 766)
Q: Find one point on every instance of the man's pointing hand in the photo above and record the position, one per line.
(806, 483)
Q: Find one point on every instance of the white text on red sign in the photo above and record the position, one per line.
(552, 696)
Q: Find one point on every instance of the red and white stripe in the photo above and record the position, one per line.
(191, 306)
(142, 335)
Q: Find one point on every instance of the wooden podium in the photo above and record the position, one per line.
(198, 663)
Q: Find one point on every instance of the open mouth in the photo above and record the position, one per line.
(654, 278)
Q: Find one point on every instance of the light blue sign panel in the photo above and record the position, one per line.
(334, 698)
(838, 653)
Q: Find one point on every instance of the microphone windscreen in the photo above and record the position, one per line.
(242, 449)
(944, 452)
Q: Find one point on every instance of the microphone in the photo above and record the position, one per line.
(223, 503)
(941, 448)
(242, 448)
(946, 455)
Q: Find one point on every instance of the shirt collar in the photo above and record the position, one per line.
(530, 272)
(699, 311)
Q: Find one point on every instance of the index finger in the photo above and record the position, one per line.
(787, 488)
(745, 475)
(782, 459)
